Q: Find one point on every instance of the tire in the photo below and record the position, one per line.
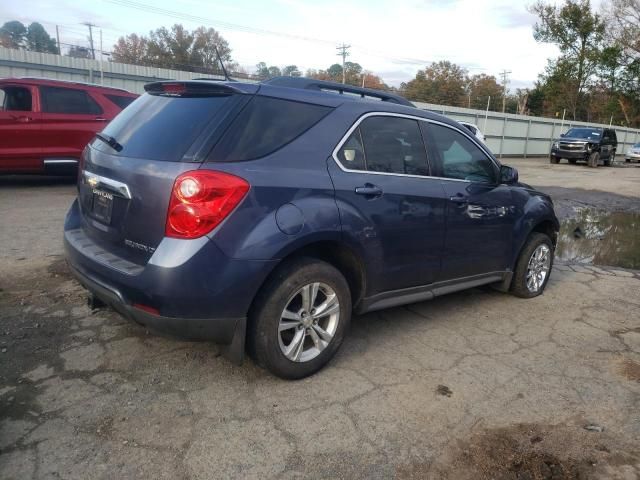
(593, 160)
(519, 286)
(628, 160)
(267, 343)
(573, 161)
(554, 160)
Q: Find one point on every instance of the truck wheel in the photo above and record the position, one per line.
(609, 161)
(554, 160)
(299, 319)
(593, 160)
(533, 267)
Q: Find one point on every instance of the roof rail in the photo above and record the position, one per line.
(340, 88)
(74, 82)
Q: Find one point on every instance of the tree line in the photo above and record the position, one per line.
(595, 78)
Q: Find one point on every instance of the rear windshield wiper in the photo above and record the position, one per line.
(109, 140)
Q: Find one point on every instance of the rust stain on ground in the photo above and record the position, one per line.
(630, 370)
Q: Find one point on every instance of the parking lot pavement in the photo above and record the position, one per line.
(477, 384)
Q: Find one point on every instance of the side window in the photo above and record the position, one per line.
(16, 99)
(121, 101)
(460, 158)
(68, 100)
(265, 125)
(351, 154)
(394, 145)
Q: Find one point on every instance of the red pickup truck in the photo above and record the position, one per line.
(45, 124)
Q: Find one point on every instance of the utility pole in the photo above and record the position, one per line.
(91, 25)
(58, 39)
(505, 80)
(101, 60)
(342, 52)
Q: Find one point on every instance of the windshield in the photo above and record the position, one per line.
(587, 133)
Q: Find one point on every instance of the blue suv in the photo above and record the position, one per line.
(260, 216)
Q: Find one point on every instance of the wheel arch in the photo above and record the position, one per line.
(336, 253)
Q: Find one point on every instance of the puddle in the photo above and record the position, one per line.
(601, 238)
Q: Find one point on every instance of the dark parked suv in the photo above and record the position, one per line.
(586, 144)
(267, 213)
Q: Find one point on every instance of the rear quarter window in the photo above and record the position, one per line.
(265, 125)
(120, 101)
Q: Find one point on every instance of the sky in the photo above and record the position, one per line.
(391, 39)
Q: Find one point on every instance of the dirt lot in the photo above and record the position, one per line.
(474, 385)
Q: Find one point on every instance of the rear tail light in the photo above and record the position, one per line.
(200, 200)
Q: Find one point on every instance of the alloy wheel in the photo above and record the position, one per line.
(308, 322)
(538, 268)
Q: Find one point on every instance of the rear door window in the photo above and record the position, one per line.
(386, 144)
(68, 101)
(162, 128)
(17, 99)
(265, 125)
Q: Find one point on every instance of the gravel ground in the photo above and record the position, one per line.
(477, 384)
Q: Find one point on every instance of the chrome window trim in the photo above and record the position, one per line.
(360, 119)
(95, 180)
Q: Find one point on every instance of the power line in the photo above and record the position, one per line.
(343, 52)
(258, 31)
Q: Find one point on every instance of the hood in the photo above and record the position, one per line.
(575, 140)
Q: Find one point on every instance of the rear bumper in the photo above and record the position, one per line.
(218, 330)
(198, 292)
(632, 156)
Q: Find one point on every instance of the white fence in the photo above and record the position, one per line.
(507, 134)
(520, 135)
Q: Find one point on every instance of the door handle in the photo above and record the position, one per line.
(459, 199)
(100, 119)
(21, 118)
(369, 190)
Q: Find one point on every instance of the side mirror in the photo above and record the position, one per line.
(508, 175)
(562, 135)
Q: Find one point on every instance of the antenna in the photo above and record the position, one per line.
(224, 70)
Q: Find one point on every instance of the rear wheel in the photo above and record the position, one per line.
(554, 160)
(611, 160)
(533, 267)
(300, 318)
(593, 160)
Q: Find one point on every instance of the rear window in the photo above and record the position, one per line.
(162, 128)
(265, 125)
(68, 100)
(121, 101)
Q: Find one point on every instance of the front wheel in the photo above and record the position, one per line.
(554, 160)
(533, 267)
(300, 318)
(593, 160)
